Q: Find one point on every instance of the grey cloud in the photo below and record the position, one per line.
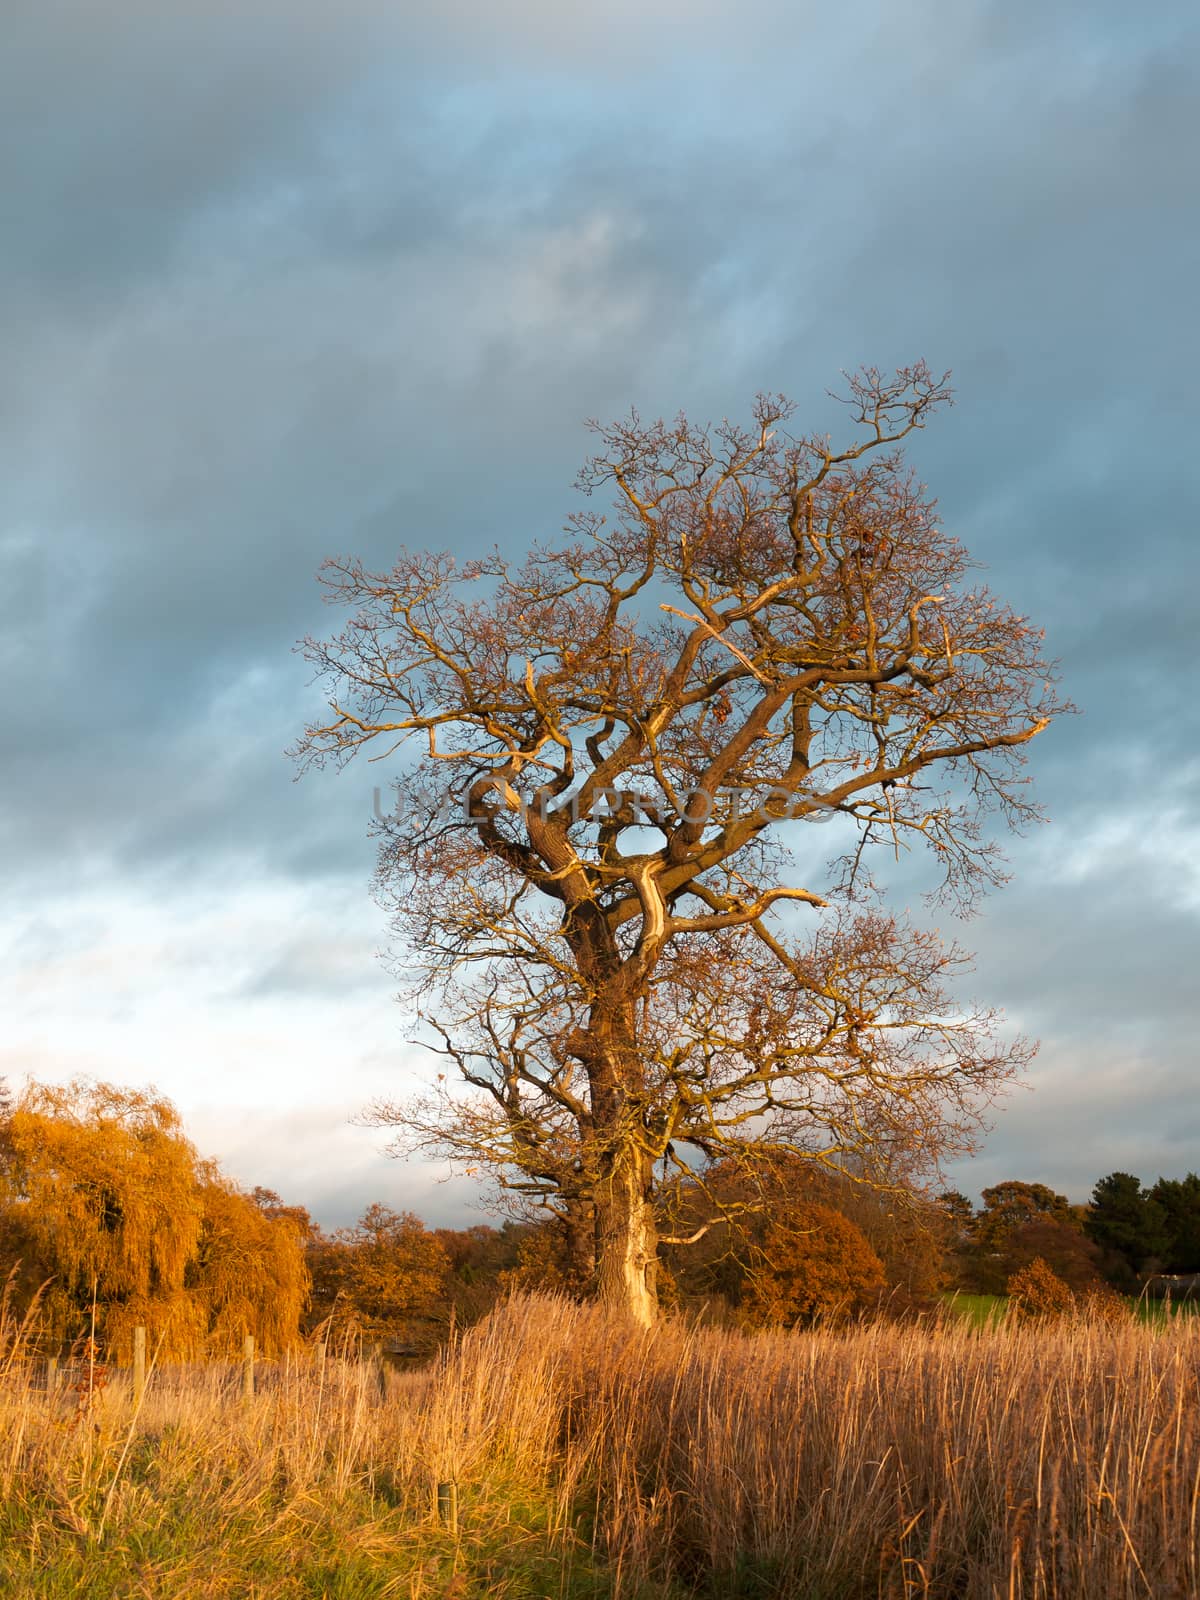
(315, 966)
(1085, 1116)
(1109, 957)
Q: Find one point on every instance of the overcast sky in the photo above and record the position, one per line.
(280, 280)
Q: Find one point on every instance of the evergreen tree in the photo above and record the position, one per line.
(1129, 1226)
(1179, 1200)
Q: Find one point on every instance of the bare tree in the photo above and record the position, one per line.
(615, 937)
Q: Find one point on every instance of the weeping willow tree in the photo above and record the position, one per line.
(100, 1190)
(103, 1195)
(250, 1271)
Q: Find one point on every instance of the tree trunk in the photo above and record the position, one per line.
(579, 1239)
(622, 1173)
(627, 1240)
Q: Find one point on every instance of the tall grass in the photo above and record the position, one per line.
(595, 1459)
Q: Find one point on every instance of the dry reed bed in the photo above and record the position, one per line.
(1052, 1461)
(1036, 1462)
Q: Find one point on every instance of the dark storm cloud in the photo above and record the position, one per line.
(284, 280)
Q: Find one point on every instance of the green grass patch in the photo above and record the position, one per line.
(982, 1310)
(1157, 1312)
(357, 1547)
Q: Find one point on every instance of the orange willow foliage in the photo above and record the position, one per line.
(100, 1186)
(251, 1271)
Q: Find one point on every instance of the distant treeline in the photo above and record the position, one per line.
(107, 1208)
(1127, 1235)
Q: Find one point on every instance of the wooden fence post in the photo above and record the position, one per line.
(139, 1364)
(248, 1367)
(447, 1506)
(51, 1376)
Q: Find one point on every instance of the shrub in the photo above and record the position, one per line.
(1065, 1249)
(1101, 1303)
(817, 1263)
(1038, 1291)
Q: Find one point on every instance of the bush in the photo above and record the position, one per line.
(1065, 1249)
(816, 1264)
(1101, 1303)
(1038, 1291)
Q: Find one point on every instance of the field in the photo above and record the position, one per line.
(982, 1309)
(979, 1309)
(969, 1460)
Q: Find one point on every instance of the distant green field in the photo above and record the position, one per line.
(1157, 1310)
(981, 1309)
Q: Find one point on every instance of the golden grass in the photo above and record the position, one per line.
(594, 1459)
